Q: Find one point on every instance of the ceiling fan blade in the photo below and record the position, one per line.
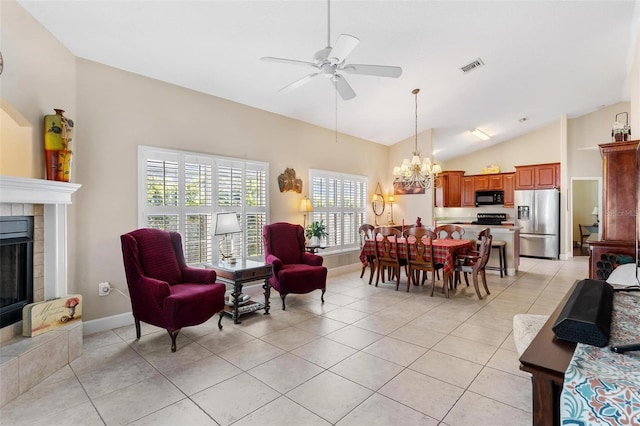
(377, 70)
(343, 88)
(298, 83)
(286, 61)
(345, 44)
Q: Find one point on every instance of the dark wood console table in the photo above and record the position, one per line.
(547, 358)
(236, 274)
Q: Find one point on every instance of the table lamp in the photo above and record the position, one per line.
(595, 214)
(305, 207)
(225, 224)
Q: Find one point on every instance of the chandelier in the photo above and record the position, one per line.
(415, 172)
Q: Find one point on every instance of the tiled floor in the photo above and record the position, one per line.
(368, 356)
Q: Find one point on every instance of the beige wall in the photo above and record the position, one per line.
(118, 111)
(584, 199)
(39, 75)
(539, 146)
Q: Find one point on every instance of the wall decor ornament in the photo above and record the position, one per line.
(287, 181)
(58, 134)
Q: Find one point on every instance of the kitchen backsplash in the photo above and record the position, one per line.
(470, 213)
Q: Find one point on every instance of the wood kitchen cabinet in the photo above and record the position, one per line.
(481, 182)
(508, 184)
(448, 193)
(538, 176)
(468, 191)
(495, 181)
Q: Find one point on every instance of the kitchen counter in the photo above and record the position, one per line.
(508, 233)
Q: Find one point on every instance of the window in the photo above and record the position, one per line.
(180, 191)
(340, 200)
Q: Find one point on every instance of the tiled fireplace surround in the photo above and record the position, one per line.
(25, 361)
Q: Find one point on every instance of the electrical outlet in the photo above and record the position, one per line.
(104, 289)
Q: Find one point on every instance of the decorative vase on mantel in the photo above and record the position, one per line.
(58, 133)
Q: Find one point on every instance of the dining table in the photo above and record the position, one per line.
(445, 251)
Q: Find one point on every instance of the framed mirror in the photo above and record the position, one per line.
(377, 203)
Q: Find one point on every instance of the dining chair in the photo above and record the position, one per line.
(474, 264)
(366, 233)
(387, 253)
(448, 231)
(422, 241)
(584, 234)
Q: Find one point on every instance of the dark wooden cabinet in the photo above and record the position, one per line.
(538, 176)
(620, 187)
(448, 192)
(509, 186)
(468, 192)
(618, 217)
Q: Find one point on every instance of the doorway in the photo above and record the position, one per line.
(586, 205)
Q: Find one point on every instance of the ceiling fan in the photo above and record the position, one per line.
(330, 61)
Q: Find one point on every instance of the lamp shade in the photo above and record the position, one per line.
(225, 223)
(305, 205)
(595, 210)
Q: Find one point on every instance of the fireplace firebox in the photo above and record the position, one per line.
(16, 267)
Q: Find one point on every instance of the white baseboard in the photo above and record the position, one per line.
(107, 323)
(339, 270)
(121, 320)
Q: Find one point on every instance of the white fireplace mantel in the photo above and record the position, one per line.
(54, 196)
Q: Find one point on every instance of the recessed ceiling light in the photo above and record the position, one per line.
(480, 134)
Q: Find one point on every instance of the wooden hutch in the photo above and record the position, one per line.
(620, 203)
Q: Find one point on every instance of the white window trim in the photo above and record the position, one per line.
(342, 177)
(146, 152)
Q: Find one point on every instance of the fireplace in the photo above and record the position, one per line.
(16, 267)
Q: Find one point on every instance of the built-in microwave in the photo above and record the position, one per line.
(489, 198)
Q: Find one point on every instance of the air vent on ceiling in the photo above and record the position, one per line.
(472, 66)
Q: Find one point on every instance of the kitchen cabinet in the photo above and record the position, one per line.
(468, 192)
(508, 181)
(481, 182)
(448, 192)
(538, 176)
(496, 181)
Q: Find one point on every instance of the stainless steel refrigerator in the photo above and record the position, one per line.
(538, 213)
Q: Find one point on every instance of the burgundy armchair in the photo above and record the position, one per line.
(294, 270)
(164, 291)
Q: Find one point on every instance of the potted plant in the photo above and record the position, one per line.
(315, 231)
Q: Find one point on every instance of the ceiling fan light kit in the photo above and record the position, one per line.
(330, 61)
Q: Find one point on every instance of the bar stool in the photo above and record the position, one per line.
(502, 250)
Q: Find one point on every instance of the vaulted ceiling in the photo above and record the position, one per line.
(542, 59)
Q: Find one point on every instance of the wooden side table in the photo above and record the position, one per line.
(314, 249)
(243, 271)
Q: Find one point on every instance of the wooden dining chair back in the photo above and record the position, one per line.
(475, 263)
(366, 233)
(387, 253)
(451, 232)
(421, 240)
(584, 234)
